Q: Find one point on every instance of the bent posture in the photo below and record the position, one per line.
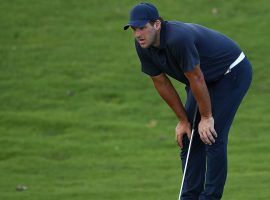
(217, 76)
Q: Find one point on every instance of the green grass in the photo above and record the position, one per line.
(76, 112)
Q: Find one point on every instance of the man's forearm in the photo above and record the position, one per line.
(167, 91)
(201, 95)
(200, 92)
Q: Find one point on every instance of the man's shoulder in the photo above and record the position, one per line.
(173, 28)
(178, 33)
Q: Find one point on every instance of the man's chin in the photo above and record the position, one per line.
(144, 46)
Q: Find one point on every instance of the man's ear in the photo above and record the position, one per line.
(157, 25)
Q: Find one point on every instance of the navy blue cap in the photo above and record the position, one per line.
(141, 14)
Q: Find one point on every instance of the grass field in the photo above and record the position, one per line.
(78, 120)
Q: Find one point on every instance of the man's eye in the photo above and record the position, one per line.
(141, 28)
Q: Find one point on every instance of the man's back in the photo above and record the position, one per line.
(189, 44)
(216, 51)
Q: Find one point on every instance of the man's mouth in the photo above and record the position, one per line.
(141, 40)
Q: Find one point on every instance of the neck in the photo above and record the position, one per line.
(157, 40)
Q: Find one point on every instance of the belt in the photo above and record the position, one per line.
(237, 61)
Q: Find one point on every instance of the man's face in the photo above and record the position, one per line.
(146, 36)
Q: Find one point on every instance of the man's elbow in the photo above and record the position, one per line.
(195, 76)
(160, 79)
(198, 79)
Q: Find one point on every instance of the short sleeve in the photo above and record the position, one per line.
(147, 65)
(186, 54)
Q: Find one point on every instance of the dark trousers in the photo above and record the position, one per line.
(207, 166)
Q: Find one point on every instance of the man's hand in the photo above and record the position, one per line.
(207, 131)
(181, 129)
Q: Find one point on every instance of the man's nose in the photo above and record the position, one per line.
(137, 32)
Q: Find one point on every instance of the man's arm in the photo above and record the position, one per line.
(166, 90)
(201, 94)
(200, 91)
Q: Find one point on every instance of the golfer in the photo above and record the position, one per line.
(217, 76)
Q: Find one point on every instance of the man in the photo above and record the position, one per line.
(217, 75)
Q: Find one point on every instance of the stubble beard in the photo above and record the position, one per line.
(152, 40)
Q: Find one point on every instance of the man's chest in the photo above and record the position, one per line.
(167, 63)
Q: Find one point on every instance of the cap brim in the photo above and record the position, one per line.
(138, 24)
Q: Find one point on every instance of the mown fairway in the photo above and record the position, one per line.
(79, 121)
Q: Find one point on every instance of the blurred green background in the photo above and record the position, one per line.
(78, 119)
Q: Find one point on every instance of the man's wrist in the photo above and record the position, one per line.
(183, 120)
(206, 116)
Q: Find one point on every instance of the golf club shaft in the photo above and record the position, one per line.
(189, 147)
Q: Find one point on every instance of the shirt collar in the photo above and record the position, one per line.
(163, 35)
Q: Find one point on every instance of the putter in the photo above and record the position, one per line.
(189, 147)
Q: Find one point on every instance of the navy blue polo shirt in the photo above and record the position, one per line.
(183, 46)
